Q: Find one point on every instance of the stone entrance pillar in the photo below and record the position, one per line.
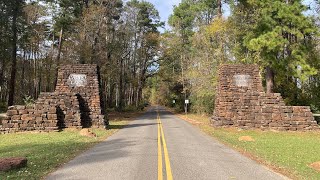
(82, 81)
(241, 102)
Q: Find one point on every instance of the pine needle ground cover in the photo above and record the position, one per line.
(47, 151)
(290, 153)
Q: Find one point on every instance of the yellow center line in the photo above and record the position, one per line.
(165, 150)
(160, 176)
(166, 156)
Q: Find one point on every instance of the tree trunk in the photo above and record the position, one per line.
(50, 65)
(23, 74)
(58, 57)
(2, 71)
(48, 79)
(140, 94)
(14, 52)
(35, 89)
(219, 8)
(137, 97)
(269, 79)
(94, 57)
(59, 47)
(110, 94)
(121, 96)
(2, 80)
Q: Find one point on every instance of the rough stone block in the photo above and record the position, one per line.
(16, 117)
(19, 107)
(12, 112)
(12, 108)
(26, 117)
(22, 111)
(7, 164)
(38, 118)
(52, 116)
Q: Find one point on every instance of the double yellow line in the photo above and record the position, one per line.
(165, 151)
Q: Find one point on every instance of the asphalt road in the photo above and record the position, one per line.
(151, 148)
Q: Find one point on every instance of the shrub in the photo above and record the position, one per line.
(28, 101)
(3, 107)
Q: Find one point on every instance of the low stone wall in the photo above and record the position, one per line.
(51, 111)
(22, 118)
(65, 105)
(241, 102)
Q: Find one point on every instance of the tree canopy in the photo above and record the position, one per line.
(140, 64)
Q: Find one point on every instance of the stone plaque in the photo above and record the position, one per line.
(242, 80)
(77, 80)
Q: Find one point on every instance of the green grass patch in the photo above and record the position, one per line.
(47, 151)
(288, 152)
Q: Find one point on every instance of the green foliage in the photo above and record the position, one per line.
(274, 34)
(133, 108)
(28, 101)
(202, 104)
(182, 19)
(280, 37)
(69, 15)
(3, 107)
(122, 37)
(192, 51)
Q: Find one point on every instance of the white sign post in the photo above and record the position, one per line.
(186, 102)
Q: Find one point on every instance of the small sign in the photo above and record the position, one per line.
(77, 80)
(186, 101)
(174, 101)
(242, 80)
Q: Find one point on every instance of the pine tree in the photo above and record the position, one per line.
(280, 39)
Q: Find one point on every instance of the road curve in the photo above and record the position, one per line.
(141, 151)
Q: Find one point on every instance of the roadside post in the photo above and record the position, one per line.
(186, 102)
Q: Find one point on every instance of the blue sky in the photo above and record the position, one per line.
(165, 7)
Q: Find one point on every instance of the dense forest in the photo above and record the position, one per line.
(140, 64)
(39, 36)
(281, 36)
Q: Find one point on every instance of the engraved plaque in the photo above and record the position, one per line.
(242, 80)
(77, 80)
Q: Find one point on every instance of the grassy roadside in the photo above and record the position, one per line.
(289, 153)
(47, 151)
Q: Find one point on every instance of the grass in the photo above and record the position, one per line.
(289, 153)
(47, 151)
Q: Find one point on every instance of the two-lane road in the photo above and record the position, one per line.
(160, 145)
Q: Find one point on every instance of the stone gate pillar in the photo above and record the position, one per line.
(241, 102)
(82, 80)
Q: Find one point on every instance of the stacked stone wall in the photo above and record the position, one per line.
(65, 105)
(241, 102)
(71, 105)
(23, 118)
